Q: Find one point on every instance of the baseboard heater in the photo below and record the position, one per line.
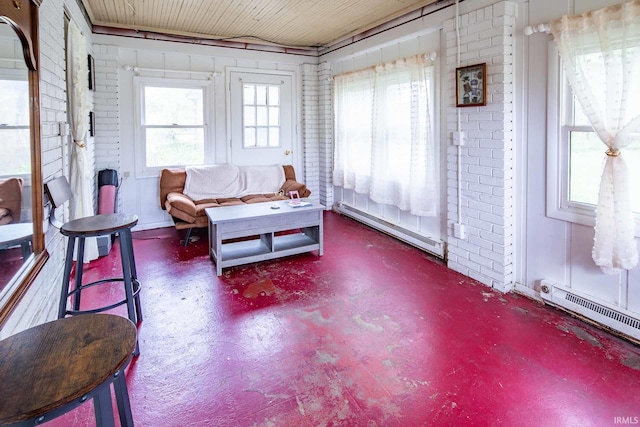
(602, 314)
(427, 244)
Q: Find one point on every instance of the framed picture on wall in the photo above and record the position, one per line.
(92, 73)
(92, 124)
(471, 85)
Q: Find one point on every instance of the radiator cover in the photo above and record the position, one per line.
(603, 314)
(433, 246)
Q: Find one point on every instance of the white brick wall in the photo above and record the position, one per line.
(106, 99)
(486, 254)
(325, 123)
(310, 128)
(105, 104)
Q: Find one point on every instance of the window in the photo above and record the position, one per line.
(576, 155)
(384, 134)
(261, 115)
(172, 123)
(14, 134)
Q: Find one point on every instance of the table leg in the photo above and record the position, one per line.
(126, 237)
(128, 283)
(79, 269)
(26, 249)
(122, 398)
(66, 276)
(103, 409)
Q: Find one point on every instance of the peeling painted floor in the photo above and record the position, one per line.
(373, 333)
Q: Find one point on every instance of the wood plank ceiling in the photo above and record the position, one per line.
(292, 23)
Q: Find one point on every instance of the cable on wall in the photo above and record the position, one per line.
(459, 147)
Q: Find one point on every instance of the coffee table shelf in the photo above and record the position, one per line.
(262, 223)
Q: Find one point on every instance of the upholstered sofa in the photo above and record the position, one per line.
(188, 213)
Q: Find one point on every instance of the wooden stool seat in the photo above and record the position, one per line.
(52, 368)
(101, 225)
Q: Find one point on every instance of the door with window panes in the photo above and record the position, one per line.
(262, 123)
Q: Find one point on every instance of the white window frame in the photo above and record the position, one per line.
(139, 84)
(17, 75)
(559, 206)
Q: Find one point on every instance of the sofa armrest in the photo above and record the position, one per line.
(181, 202)
(291, 185)
(171, 181)
(11, 196)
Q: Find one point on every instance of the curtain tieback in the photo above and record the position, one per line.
(80, 143)
(612, 152)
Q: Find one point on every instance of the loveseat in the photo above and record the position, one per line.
(188, 213)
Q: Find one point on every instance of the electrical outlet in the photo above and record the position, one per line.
(459, 231)
(126, 174)
(458, 138)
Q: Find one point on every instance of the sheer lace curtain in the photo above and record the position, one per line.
(384, 140)
(80, 174)
(600, 52)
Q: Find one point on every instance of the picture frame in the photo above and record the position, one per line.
(471, 85)
(92, 72)
(92, 124)
(295, 197)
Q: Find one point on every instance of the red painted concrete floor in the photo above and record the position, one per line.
(373, 333)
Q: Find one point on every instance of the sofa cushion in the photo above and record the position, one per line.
(258, 198)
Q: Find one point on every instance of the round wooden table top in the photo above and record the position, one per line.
(99, 225)
(51, 365)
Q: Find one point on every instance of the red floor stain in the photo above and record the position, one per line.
(263, 287)
(373, 333)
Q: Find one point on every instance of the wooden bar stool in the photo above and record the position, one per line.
(101, 225)
(55, 367)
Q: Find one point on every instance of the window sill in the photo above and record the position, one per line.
(582, 214)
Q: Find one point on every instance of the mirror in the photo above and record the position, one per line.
(22, 252)
(16, 222)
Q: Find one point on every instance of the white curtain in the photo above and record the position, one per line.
(384, 141)
(80, 175)
(600, 51)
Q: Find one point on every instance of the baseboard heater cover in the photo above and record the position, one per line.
(615, 318)
(427, 244)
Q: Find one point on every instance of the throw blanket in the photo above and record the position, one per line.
(228, 181)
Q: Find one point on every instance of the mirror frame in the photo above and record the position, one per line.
(22, 16)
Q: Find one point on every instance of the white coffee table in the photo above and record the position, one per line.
(266, 224)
